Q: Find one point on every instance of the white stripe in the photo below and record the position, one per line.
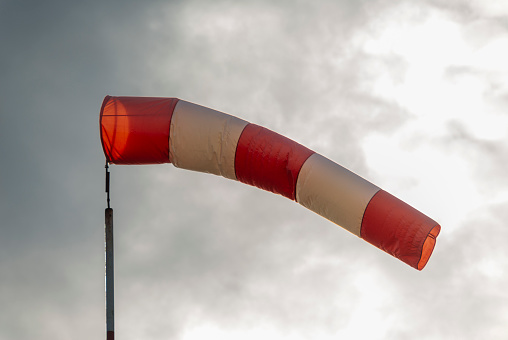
(202, 139)
(334, 192)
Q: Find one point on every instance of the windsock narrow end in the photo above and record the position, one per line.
(428, 246)
(399, 229)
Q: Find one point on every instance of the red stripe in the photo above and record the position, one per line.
(110, 335)
(269, 161)
(135, 130)
(399, 229)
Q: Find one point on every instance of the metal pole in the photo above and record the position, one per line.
(110, 280)
(110, 270)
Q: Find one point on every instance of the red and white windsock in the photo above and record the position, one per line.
(149, 130)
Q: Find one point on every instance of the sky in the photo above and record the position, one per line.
(410, 95)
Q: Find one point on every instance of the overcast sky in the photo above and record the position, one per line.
(413, 96)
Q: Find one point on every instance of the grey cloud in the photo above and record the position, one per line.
(488, 157)
(196, 249)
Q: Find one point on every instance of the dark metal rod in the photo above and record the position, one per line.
(107, 183)
(110, 280)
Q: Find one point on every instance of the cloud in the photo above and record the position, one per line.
(359, 82)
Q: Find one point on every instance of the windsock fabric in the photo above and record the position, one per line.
(150, 130)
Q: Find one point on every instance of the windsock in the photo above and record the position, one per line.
(150, 130)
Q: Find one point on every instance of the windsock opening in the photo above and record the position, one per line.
(428, 246)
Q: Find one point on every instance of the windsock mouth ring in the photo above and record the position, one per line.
(428, 246)
(104, 147)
